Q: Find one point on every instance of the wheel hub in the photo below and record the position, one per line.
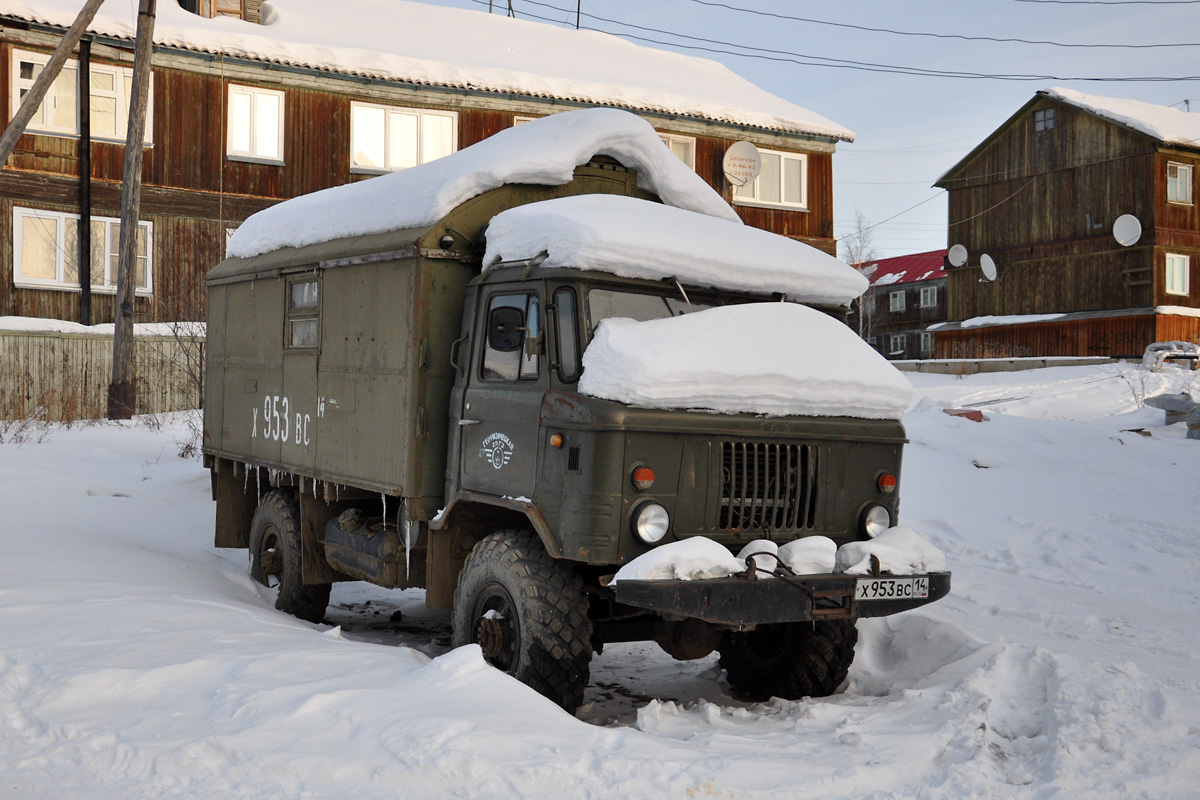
(492, 637)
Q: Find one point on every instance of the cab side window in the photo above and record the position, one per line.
(512, 350)
(566, 335)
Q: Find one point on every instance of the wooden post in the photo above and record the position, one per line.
(120, 391)
(85, 182)
(37, 93)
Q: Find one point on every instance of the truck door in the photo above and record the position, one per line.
(503, 398)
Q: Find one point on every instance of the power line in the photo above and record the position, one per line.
(960, 37)
(785, 56)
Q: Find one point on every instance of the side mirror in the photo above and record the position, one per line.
(506, 331)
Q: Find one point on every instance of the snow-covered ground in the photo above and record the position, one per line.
(137, 661)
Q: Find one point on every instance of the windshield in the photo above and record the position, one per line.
(605, 303)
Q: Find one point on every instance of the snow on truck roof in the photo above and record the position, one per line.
(545, 152)
(636, 238)
(460, 49)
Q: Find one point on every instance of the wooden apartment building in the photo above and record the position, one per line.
(244, 115)
(1040, 196)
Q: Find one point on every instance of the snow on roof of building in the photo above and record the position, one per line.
(777, 359)
(545, 152)
(438, 46)
(1167, 125)
(907, 269)
(641, 239)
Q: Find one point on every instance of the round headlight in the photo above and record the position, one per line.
(650, 522)
(877, 520)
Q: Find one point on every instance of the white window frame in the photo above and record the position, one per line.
(751, 193)
(687, 142)
(1178, 274)
(108, 248)
(928, 297)
(521, 120)
(390, 114)
(896, 301)
(926, 343)
(41, 123)
(1182, 183)
(893, 350)
(253, 153)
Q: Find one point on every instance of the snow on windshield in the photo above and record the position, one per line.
(543, 152)
(639, 239)
(761, 358)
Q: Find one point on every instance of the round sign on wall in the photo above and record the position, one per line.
(741, 163)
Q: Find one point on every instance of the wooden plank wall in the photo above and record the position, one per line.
(67, 374)
(1115, 336)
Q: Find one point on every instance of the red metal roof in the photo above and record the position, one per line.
(907, 269)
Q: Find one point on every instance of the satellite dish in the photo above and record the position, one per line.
(957, 255)
(741, 163)
(1127, 230)
(988, 266)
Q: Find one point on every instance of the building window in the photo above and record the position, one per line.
(1178, 281)
(896, 344)
(1043, 119)
(111, 92)
(1179, 183)
(926, 344)
(682, 146)
(46, 251)
(782, 182)
(385, 138)
(928, 297)
(896, 301)
(255, 124)
(303, 313)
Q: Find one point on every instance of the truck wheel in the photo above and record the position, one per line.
(790, 660)
(275, 550)
(528, 613)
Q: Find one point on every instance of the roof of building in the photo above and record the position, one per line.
(1166, 124)
(460, 49)
(906, 269)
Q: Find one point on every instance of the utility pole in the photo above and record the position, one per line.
(37, 92)
(120, 390)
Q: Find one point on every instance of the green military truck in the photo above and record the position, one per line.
(388, 407)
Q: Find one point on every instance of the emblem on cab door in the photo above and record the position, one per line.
(497, 449)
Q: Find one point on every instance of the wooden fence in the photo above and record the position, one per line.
(65, 376)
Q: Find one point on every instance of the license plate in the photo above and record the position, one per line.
(892, 588)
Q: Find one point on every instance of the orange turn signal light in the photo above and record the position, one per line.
(556, 440)
(642, 478)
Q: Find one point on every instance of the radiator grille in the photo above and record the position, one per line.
(766, 486)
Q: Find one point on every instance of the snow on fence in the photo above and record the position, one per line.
(64, 375)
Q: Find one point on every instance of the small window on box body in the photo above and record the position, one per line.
(303, 315)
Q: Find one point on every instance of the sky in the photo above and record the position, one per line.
(910, 128)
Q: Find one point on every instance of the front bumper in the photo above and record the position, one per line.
(741, 601)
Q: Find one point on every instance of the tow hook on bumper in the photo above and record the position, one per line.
(801, 598)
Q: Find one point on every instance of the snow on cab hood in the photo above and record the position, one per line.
(763, 358)
(544, 152)
(640, 239)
